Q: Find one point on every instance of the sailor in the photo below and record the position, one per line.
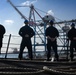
(52, 34)
(26, 32)
(2, 32)
(72, 37)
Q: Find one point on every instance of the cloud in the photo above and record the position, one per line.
(50, 12)
(28, 3)
(9, 22)
(34, 1)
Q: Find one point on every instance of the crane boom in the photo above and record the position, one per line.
(17, 10)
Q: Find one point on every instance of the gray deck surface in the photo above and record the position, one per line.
(34, 67)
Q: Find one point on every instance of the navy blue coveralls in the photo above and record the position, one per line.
(71, 34)
(26, 41)
(52, 32)
(2, 32)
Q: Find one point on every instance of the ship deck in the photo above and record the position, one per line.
(36, 67)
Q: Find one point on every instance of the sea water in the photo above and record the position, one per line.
(25, 55)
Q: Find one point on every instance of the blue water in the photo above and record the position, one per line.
(25, 55)
(41, 54)
(9, 56)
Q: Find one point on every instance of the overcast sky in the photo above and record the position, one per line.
(61, 9)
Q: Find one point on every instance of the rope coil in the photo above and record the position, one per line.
(59, 72)
(23, 71)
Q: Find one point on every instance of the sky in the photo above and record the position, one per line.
(12, 21)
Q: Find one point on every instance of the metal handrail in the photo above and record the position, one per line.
(9, 43)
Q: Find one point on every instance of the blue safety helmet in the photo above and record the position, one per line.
(26, 21)
(51, 22)
(72, 25)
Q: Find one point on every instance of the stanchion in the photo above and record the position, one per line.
(8, 46)
(67, 48)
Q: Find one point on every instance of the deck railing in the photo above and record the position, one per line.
(11, 44)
